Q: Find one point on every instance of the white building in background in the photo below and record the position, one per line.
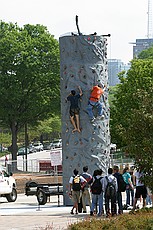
(115, 66)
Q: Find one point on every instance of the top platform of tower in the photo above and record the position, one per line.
(83, 34)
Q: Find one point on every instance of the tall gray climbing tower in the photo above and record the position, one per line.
(83, 62)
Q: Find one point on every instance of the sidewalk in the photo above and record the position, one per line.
(31, 221)
(25, 214)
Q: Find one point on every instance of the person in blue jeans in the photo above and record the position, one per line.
(110, 199)
(94, 101)
(119, 194)
(132, 190)
(127, 178)
(97, 198)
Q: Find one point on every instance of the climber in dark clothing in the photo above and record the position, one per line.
(74, 108)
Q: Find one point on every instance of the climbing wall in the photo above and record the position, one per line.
(83, 62)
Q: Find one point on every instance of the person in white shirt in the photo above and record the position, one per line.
(141, 189)
(86, 195)
(76, 183)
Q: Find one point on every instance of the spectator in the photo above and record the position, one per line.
(97, 193)
(86, 195)
(119, 194)
(127, 178)
(110, 180)
(148, 198)
(76, 182)
(132, 190)
(6, 160)
(141, 189)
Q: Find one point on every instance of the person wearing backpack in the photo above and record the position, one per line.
(110, 188)
(121, 188)
(97, 193)
(76, 183)
(86, 195)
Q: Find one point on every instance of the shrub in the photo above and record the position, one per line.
(138, 220)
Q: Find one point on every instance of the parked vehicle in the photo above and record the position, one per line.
(38, 146)
(7, 186)
(32, 148)
(56, 144)
(46, 146)
(22, 151)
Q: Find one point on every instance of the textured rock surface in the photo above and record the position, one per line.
(83, 62)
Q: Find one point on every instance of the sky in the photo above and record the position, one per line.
(125, 20)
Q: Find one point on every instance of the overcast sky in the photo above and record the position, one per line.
(125, 20)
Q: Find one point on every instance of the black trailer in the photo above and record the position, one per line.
(43, 191)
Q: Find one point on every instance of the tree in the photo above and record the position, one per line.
(132, 115)
(50, 128)
(146, 54)
(29, 77)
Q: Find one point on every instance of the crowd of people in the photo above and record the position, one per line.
(103, 193)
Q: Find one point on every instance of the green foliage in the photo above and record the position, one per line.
(142, 221)
(146, 54)
(5, 138)
(112, 91)
(29, 73)
(48, 127)
(132, 116)
(29, 76)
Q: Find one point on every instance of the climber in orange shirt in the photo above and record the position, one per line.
(94, 101)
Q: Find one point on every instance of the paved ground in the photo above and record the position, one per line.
(25, 214)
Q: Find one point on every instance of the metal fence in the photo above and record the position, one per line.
(44, 165)
(31, 166)
(121, 160)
